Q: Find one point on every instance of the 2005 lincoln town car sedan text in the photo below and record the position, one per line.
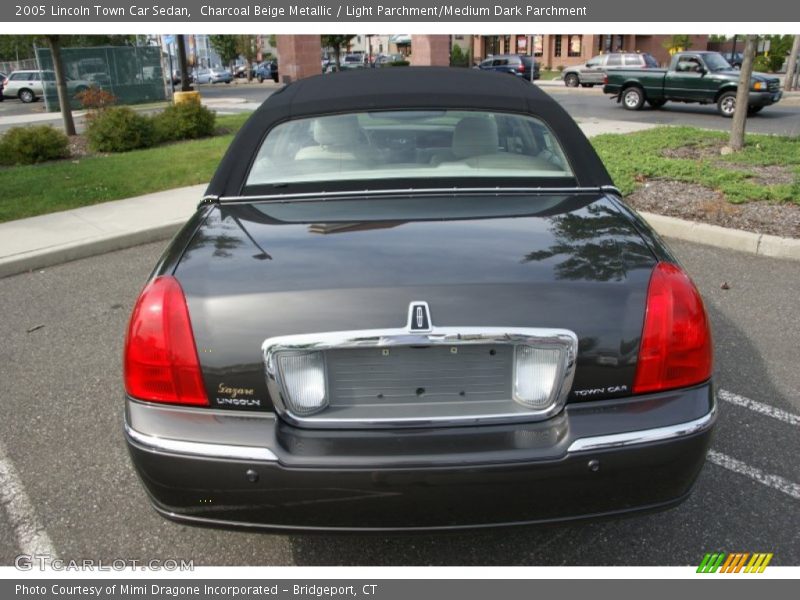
(412, 299)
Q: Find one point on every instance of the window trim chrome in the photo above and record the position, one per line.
(323, 195)
(451, 336)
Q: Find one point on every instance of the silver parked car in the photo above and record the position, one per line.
(28, 86)
(593, 71)
(214, 76)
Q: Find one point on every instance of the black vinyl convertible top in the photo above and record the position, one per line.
(397, 88)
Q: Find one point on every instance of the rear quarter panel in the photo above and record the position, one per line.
(651, 80)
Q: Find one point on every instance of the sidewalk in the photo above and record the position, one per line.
(52, 239)
(47, 240)
(221, 105)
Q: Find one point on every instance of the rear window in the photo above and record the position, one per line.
(650, 62)
(408, 144)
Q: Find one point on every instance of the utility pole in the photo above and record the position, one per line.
(790, 81)
(743, 94)
(182, 64)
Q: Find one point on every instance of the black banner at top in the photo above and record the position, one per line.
(394, 11)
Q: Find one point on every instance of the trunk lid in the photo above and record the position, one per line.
(259, 270)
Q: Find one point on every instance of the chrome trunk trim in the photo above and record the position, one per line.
(452, 336)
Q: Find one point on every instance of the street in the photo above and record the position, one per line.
(781, 119)
(62, 443)
(582, 104)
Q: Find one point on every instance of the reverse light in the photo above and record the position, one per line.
(535, 373)
(161, 363)
(676, 349)
(303, 377)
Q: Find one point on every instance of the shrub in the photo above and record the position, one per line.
(761, 64)
(96, 98)
(775, 61)
(560, 68)
(119, 129)
(30, 145)
(399, 63)
(458, 58)
(185, 121)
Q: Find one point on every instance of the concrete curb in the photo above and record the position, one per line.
(722, 237)
(85, 248)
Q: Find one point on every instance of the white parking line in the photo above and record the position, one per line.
(737, 466)
(30, 535)
(764, 409)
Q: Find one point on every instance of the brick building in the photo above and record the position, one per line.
(553, 50)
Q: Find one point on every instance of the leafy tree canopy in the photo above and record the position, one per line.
(14, 47)
(226, 46)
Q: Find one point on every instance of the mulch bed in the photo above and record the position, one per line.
(767, 175)
(697, 203)
(78, 146)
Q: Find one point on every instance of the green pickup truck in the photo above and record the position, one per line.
(704, 77)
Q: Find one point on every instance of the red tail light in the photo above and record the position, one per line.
(605, 79)
(161, 362)
(521, 67)
(676, 346)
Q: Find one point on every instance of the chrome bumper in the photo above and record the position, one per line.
(249, 436)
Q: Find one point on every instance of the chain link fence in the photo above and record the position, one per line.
(9, 66)
(133, 74)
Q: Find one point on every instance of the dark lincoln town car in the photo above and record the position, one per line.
(413, 299)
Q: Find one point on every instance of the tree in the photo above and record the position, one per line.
(20, 47)
(247, 46)
(16, 47)
(743, 94)
(336, 42)
(677, 43)
(54, 42)
(789, 82)
(779, 46)
(226, 47)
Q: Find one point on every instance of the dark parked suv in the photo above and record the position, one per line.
(593, 71)
(515, 64)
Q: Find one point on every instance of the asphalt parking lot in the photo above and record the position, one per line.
(74, 492)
